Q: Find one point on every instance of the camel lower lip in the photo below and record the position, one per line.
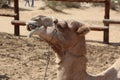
(31, 33)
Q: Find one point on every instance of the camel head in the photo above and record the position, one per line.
(67, 38)
(61, 35)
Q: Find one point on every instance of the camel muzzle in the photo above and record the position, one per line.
(32, 27)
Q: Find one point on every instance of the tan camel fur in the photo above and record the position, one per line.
(67, 38)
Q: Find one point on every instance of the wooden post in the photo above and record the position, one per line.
(107, 16)
(16, 11)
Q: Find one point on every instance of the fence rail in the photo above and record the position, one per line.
(8, 15)
(17, 22)
(94, 28)
(109, 21)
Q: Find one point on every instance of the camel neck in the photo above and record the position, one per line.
(72, 65)
(72, 68)
(79, 48)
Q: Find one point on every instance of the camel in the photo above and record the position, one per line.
(67, 39)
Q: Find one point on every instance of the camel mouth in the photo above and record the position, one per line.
(32, 27)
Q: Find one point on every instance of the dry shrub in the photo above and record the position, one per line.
(2, 2)
(115, 4)
(5, 3)
(60, 5)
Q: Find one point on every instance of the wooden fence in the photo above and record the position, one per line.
(104, 28)
(15, 16)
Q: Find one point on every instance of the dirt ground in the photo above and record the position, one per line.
(23, 58)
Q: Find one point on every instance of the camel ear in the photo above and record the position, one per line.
(83, 30)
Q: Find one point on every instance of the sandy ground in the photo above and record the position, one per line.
(23, 58)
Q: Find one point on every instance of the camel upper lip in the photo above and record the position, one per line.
(30, 22)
